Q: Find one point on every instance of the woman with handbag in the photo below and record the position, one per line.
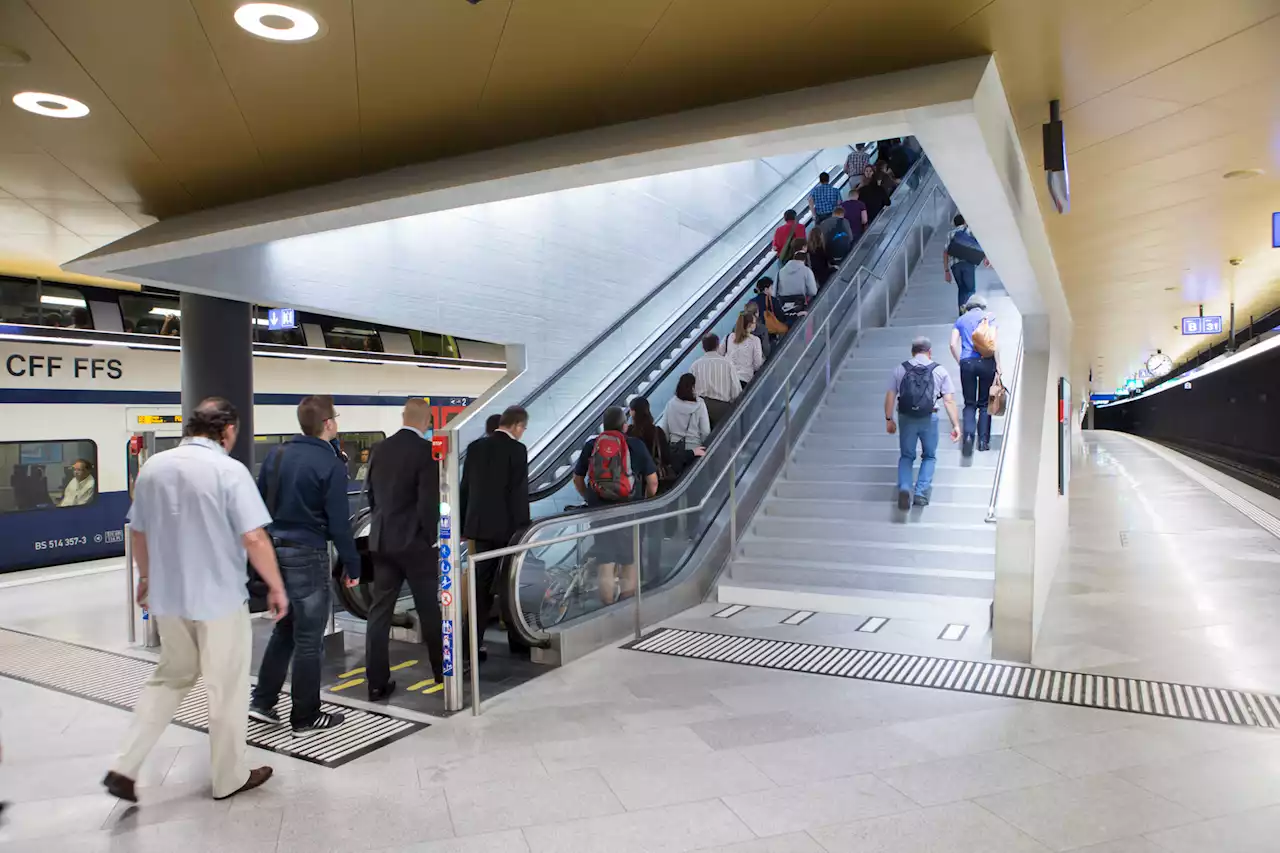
(686, 423)
(769, 309)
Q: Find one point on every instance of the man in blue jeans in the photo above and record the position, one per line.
(914, 390)
(304, 484)
(964, 272)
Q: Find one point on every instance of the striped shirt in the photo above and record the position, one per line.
(855, 163)
(716, 378)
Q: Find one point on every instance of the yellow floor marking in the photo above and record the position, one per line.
(431, 690)
(351, 673)
(344, 685)
(414, 687)
(403, 665)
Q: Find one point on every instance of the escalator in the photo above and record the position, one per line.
(652, 345)
(555, 586)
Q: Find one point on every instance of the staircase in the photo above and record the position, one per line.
(829, 537)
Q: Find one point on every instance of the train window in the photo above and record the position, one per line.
(48, 474)
(344, 334)
(355, 444)
(151, 314)
(40, 304)
(285, 337)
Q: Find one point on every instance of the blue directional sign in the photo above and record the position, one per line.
(1202, 325)
(279, 319)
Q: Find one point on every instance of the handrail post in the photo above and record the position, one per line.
(786, 435)
(129, 594)
(473, 632)
(827, 328)
(857, 295)
(635, 545)
(733, 507)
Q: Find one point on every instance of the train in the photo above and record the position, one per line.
(80, 411)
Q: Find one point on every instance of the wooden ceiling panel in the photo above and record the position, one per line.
(299, 100)
(422, 69)
(191, 121)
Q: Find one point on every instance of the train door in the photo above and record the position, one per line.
(151, 431)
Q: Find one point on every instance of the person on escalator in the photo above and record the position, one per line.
(769, 310)
(790, 232)
(838, 233)
(685, 422)
(742, 348)
(494, 507)
(819, 261)
(796, 286)
(823, 198)
(615, 468)
(305, 487)
(717, 381)
(872, 193)
(761, 333)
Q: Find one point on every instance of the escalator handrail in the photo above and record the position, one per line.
(550, 445)
(1011, 394)
(816, 340)
(740, 264)
(736, 289)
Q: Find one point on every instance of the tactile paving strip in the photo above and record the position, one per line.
(1086, 690)
(116, 680)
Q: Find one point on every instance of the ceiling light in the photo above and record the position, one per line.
(1241, 174)
(69, 301)
(55, 106)
(277, 22)
(166, 312)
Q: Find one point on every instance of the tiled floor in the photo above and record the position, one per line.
(624, 751)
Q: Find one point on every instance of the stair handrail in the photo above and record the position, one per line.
(1010, 391)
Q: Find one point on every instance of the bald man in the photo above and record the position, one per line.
(404, 495)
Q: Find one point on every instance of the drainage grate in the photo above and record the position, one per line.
(1135, 695)
(116, 680)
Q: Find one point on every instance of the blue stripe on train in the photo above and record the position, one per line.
(174, 398)
(54, 535)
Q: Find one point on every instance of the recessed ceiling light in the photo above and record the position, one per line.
(1240, 174)
(277, 22)
(45, 104)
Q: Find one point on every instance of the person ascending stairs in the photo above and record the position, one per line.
(914, 390)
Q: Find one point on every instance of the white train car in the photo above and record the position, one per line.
(100, 401)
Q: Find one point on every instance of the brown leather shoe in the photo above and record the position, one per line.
(257, 776)
(120, 787)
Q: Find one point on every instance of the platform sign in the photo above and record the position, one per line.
(279, 319)
(1207, 325)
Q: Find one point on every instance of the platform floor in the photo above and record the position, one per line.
(625, 751)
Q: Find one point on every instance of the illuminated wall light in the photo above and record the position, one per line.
(54, 106)
(260, 19)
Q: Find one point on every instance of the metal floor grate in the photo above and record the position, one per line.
(1134, 695)
(116, 680)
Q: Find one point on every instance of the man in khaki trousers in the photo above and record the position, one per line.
(196, 515)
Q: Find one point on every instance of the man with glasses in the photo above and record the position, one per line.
(79, 491)
(305, 488)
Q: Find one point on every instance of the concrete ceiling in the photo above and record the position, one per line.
(1160, 98)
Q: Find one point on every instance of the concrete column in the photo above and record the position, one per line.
(217, 360)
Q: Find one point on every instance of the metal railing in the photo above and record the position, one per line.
(1011, 393)
(819, 339)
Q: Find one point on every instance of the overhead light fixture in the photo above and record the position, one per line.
(166, 312)
(1242, 174)
(1055, 160)
(277, 22)
(69, 301)
(54, 106)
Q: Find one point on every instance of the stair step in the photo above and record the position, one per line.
(975, 535)
(855, 551)
(938, 609)
(950, 475)
(851, 578)
(867, 438)
(873, 511)
(858, 455)
(974, 496)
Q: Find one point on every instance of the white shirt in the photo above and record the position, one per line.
(746, 357)
(195, 503)
(796, 279)
(716, 378)
(78, 492)
(685, 421)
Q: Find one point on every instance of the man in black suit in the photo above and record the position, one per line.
(404, 496)
(495, 502)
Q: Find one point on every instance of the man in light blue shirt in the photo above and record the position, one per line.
(196, 515)
(915, 387)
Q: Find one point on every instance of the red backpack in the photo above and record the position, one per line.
(610, 472)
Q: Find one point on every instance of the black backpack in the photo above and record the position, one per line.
(916, 394)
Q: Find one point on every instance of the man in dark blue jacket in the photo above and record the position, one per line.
(304, 485)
